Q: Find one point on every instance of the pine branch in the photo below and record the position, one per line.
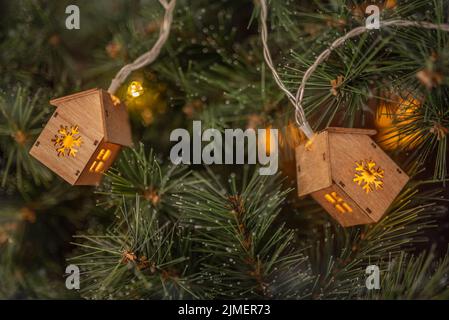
(409, 277)
(138, 259)
(339, 256)
(245, 253)
(424, 129)
(21, 119)
(139, 172)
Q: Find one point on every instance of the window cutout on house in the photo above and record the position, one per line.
(100, 154)
(98, 165)
(106, 155)
(92, 167)
(338, 202)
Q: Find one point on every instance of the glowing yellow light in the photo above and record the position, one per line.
(100, 154)
(309, 143)
(368, 176)
(392, 120)
(115, 101)
(338, 202)
(390, 4)
(98, 165)
(135, 89)
(346, 206)
(67, 141)
(106, 155)
(267, 139)
(329, 198)
(92, 167)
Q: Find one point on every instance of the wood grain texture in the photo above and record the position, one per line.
(330, 166)
(94, 178)
(346, 150)
(347, 219)
(69, 168)
(313, 165)
(369, 132)
(98, 121)
(86, 112)
(58, 101)
(115, 121)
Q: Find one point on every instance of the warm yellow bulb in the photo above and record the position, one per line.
(135, 89)
(394, 116)
(115, 101)
(309, 143)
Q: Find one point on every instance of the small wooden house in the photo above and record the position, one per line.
(349, 175)
(84, 136)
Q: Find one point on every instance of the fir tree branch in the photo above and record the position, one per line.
(152, 260)
(247, 256)
(21, 119)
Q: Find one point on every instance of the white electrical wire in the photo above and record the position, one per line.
(151, 55)
(297, 100)
(300, 116)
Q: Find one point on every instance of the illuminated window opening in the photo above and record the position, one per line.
(338, 202)
(92, 167)
(100, 154)
(106, 155)
(98, 165)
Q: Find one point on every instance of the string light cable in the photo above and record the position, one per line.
(297, 99)
(150, 56)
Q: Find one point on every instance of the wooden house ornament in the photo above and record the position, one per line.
(84, 136)
(349, 175)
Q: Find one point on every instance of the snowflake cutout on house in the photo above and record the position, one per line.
(369, 176)
(67, 141)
